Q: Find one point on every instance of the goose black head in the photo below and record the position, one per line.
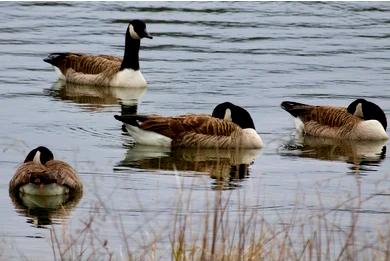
(137, 30)
(230, 112)
(368, 111)
(39, 155)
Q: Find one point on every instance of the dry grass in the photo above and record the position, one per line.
(224, 233)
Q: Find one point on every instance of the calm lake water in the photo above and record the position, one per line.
(252, 54)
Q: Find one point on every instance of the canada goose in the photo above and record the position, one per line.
(104, 70)
(41, 175)
(362, 120)
(230, 126)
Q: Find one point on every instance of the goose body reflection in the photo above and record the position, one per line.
(226, 167)
(97, 97)
(45, 210)
(357, 153)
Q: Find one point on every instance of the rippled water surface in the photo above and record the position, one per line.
(252, 54)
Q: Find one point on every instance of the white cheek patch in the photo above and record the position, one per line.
(37, 158)
(228, 115)
(133, 34)
(359, 111)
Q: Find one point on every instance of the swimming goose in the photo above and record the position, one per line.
(229, 126)
(362, 120)
(104, 70)
(41, 175)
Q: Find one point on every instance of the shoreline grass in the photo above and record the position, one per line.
(226, 233)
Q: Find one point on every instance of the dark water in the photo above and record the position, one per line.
(252, 54)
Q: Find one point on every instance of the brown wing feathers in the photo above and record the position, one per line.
(187, 130)
(23, 174)
(202, 131)
(53, 172)
(64, 174)
(323, 120)
(329, 116)
(84, 63)
(173, 126)
(324, 115)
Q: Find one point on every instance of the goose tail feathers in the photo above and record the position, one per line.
(294, 108)
(55, 58)
(130, 119)
(141, 136)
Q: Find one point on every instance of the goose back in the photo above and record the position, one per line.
(53, 172)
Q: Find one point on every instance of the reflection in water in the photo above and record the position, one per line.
(45, 210)
(226, 167)
(96, 97)
(360, 154)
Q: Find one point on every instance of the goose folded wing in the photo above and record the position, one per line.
(64, 174)
(87, 64)
(175, 127)
(330, 116)
(87, 79)
(23, 174)
(111, 58)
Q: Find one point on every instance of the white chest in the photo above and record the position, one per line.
(129, 78)
(250, 139)
(370, 130)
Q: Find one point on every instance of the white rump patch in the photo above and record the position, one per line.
(133, 34)
(299, 125)
(148, 137)
(228, 115)
(129, 78)
(59, 73)
(44, 190)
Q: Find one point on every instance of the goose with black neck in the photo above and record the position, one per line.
(105, 70)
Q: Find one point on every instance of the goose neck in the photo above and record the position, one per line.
(130, 57)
